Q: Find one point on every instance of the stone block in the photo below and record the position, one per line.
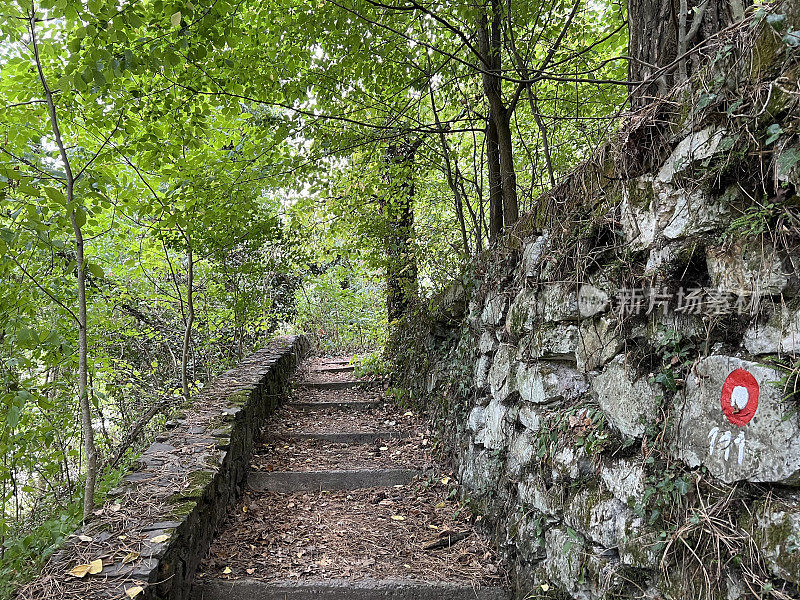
(697, 146)
(598, 343)
(533, 254)
(592, 301)
(497, 430)
(559, 302)
(777, 532)
(735, 421)
(494, 308)
(532, 492)
(779, 335)
(746, 268)
(624, 478)
(522, 315)
(600, 516)
(565, 550)
(521, 451)
(629, 401)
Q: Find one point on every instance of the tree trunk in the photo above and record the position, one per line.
(495, 182)
(490, 48)
(662, 32)
(187, 333)
(82, 320)
(401, 263)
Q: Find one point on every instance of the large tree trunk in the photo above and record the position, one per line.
(495, 184)
(490, 48)
(401, 262)
(662, 34)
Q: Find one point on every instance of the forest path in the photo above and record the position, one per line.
(345, 502)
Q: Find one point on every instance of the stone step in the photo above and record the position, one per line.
(343, 589)
(301, 481)
(334, 369)
(335, 385)
(361, 437)
(344, 404)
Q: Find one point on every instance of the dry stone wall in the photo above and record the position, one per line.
(619, 391)
(158, 525)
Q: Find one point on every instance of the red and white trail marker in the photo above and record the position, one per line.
(739, 397)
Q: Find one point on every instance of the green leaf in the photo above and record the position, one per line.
(56, 195)
(175, 19)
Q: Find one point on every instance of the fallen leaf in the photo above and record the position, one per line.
(80, 571)
(116, 507)
(250, 571)
(85, 538)
(398, 518)
(244, 509)
(545, 587)
(132, 556)
(160, 539)
(445, 480)
(227, 571)
(134, 591)
(96, 566)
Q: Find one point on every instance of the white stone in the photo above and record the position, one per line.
(532, 255)
(530, 417)
(522, 315)
(746, 269)
(494, 308)
(604, 520)
(630, 403)
(625, 479)
(520, 453)
(598, 343)
(592, 301)
(488, 342)
(482, 367)
(541, 383)
(553, 341)
(502, 372)
(777, 534)
(695, 147)
(497, 431)
(672, 212)
(477, 418)
(765, 450)
(564, 557)
(533, 493)
(559, 302)
(779, 335)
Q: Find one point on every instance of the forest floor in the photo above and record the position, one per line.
(348, 491)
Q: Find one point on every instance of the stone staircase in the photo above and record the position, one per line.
(318, 520)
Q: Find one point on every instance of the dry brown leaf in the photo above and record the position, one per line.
(96, 566)
(132, 556)
(398, 518)
(85, 538)
(80, 571)
(134, 591)
(160, 539)
(226, 571)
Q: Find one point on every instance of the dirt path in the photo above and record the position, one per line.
(345, 501)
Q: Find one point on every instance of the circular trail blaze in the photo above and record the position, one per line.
(739, 397)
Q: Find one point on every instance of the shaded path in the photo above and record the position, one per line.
(344, 501)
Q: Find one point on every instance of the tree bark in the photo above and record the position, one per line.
(187, 333)
(401, 263)
(89, 446)
(490, 49)
(661, 34)
(495, 184)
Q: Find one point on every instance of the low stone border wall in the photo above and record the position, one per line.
(156, 528)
